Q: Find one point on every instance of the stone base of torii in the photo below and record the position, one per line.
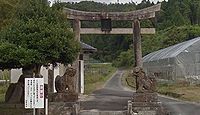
(145, 100)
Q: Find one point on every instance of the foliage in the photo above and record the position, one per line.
(7, 9)
(39, 35)
(125, 59)
(168, 37)
(177, 21)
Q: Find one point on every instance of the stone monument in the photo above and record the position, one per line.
(145, 100)
(144, 84)
(65, 87)
(65, 100)
(15, 92)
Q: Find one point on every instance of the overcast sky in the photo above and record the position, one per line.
(110, 1)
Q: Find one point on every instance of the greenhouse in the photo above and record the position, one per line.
(177, 62)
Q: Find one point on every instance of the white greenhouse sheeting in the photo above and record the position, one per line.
(177, 62)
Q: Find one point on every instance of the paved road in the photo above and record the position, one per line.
(115, 97)
(177, 107)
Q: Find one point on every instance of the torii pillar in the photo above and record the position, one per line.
(76, 30)
(137, 43)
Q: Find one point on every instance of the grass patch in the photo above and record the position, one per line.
(3, 89)
(128, 80)
(96, 75)
(180, 89)
(4, 75)
(8, 111)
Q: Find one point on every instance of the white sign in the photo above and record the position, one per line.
(34, 93)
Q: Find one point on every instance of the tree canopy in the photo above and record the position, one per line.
(38, 35)
(177, 21)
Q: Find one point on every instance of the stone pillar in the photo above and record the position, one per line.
(137, 43)
(50, 80)
(76, 30)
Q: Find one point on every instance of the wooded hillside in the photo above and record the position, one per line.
(178, 21)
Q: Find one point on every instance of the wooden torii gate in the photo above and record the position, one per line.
(134, 16)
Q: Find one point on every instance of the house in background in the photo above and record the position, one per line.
(49, 72)
(177, 62)
(86, 51)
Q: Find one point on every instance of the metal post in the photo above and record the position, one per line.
(46, 106)
(137, 43)
(130, 108)
(82, 76)
(34, 95)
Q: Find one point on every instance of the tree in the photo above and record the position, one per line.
(125, 59)
(39, 35)
(7, 7)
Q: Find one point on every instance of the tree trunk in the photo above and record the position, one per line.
(15, 92)
(37, 71)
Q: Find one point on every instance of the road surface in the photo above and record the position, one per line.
(114, 97)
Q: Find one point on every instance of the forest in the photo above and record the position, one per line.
(178, 20)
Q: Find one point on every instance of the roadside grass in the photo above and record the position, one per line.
(128, 80)
(180, 89)
(9, 111)
(4, 75)
(3, 89)
(96, 75)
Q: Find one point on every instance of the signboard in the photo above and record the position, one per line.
(34, 93)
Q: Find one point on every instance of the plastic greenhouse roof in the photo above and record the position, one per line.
(171, 51)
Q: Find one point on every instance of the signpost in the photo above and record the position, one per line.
(34, 93)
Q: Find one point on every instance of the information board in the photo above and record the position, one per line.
(34, 93)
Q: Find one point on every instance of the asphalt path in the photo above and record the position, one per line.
(114, 97)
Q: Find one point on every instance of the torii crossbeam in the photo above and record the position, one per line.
(134, 16)
(145, 13)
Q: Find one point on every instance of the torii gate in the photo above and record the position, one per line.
(107, 17)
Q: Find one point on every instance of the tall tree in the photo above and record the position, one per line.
(7, 9)
(39, 35)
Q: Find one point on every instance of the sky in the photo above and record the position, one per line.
(110, 1)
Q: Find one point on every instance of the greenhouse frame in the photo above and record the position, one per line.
(177, 62)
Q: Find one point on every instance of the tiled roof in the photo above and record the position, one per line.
(86, 47)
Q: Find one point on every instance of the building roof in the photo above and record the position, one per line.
(87, 48)
(171, 51)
